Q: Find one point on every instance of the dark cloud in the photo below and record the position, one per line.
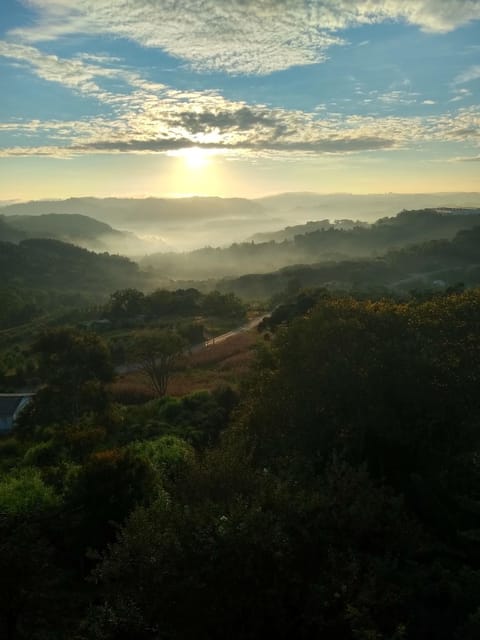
(242, 119)
(333, 145)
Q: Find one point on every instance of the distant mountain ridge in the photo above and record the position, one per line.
(73, 228)
(368, 207)
(436, 264)
(322, 245)
(289, 233)
(148, 211)
(181, 222)
(193, 222)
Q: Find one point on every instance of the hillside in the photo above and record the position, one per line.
(405, 228)
(215, 221)
(9, 233)
(51, 264)
(333, 243)
(151, 211)
(289, 233)
(367, 207)
(74, 228)
(435, 264)
(163, 220)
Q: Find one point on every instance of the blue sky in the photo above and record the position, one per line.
(238, 97)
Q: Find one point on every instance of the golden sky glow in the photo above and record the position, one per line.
(109, 97)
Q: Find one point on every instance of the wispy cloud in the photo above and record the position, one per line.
(394, 97)
(467, 159)
(238, 36)
(472, 73)
(175, 120)
(151, 117)
(75, 73)
(460, 94)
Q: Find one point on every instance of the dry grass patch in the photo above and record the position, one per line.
(216, 365)
(241, 343)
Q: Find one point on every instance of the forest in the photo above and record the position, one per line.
(313, 242)
(292, 453)
(239, 320)
(334, 492)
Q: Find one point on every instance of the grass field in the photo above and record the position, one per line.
(216, 365)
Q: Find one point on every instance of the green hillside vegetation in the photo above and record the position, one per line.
(289, 233)
(337, 497)
(72, 228)
(41, 276)
(407, 227)
(9, 233)
(57, 265)
(332, 242)
(437, 263)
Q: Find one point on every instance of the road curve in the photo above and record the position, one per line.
(251, 324)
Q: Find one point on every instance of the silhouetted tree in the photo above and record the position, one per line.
(157, 352)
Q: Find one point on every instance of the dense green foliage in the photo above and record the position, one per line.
(42, 277)
(22, 305)
(33, 263)
(126, 304)
(75, 366)
(339, 498)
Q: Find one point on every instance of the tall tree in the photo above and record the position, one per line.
(156, 353)
(74, 365)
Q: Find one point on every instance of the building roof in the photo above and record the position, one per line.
(9, 402)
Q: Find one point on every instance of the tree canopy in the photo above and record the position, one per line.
(156, 353)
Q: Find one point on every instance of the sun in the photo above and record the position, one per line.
(195, 158)
(197, 170)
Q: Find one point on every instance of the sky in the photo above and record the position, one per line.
(135, 98)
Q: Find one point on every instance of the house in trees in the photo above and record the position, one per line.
(11, 405)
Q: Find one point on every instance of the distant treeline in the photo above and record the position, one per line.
(437, 263)
(330, 242)
(126, 304)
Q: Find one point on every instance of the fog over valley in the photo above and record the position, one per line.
(239, 319)
(142, 226)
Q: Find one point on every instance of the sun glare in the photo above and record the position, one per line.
(195, 158)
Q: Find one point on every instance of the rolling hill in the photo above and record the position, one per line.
(325, 244)
(51, 264)
(75, 228)
(436, 264)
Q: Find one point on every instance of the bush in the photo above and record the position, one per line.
(25, 492)
(44, 454)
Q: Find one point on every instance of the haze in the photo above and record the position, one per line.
(239, 319)
(237, 99)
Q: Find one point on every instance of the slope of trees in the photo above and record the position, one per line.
(340, 241)
(39, 277)
(185, 303)
(415, 266)
(33, 263)
(338, 499)
(342, 503)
